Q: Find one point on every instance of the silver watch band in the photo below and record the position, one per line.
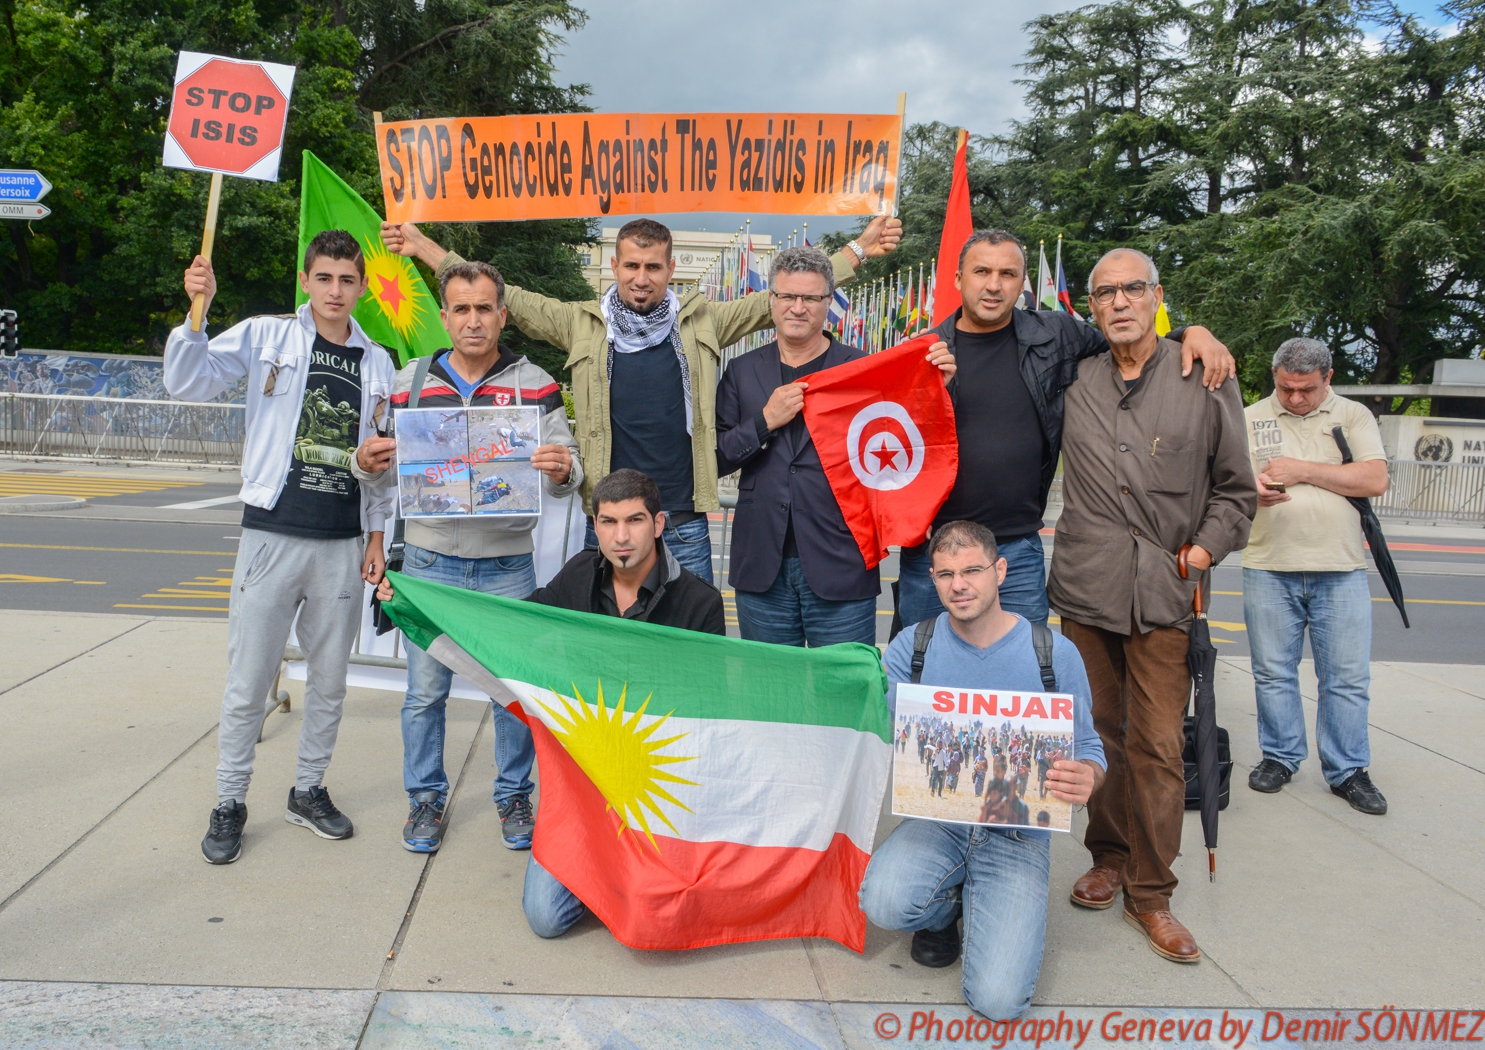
(855, 246)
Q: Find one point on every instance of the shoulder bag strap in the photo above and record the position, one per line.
(1041, 641)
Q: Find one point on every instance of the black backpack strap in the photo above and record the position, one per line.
(1041, 641)
(922, 635)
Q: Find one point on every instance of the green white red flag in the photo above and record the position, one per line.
(695, 789)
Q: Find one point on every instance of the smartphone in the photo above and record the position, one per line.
(1275, 486)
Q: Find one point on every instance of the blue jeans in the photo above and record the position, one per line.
(789, 613)
(1337, 609)
(1024, 591)
(691, 544)
(550, 907)
(919, 877)
(428, 681)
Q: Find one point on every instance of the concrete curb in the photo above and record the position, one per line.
(39, 504)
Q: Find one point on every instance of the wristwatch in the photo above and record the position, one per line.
(855, 246)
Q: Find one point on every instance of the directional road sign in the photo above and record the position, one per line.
(23, 211)
(23, 187)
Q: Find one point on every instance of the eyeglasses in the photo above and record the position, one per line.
(970, 575)
(1104, 293)
(791, 300)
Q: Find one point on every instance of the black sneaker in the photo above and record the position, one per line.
(1269, 776)
(315, 811)
(423, 831)
(517, 822)
(1363, 795)
(936, 948)
(223, 842)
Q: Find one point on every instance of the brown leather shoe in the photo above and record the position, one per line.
(1168, 938)
(1096, 888)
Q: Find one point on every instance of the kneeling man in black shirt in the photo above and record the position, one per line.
(632, 575)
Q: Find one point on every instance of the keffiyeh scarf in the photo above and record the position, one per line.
(630, 332)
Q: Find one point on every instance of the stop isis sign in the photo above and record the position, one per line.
(228, 116)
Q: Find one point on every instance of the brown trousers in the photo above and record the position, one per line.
(1140, 686)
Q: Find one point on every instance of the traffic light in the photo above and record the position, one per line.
(10, 334)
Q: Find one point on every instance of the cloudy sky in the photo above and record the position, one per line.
(956, 59)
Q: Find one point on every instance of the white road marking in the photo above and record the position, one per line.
(200, 503)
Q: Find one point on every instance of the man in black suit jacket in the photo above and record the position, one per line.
(795, 567)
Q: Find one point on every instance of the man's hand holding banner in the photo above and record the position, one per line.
(884, 429)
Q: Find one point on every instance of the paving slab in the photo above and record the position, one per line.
(36, 642)
(52, 1016)
(135, 902)
(97, 728)
(470, 934)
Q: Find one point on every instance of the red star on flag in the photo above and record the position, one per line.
(886, 457)
(391, 293)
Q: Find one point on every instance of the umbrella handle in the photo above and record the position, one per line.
(1183, 566)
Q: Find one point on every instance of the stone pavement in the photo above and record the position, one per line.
(113, 932)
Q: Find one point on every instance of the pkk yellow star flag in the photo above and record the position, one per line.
(398, 310)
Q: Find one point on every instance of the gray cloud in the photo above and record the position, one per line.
(956, 59)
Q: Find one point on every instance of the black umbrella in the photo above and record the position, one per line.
(1371, 528)
(1201, 658)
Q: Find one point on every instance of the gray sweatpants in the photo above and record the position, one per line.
(275, 576)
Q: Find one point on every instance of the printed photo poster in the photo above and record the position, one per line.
(979, 756)
(458, 462)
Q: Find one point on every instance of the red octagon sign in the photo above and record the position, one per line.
(227, 116)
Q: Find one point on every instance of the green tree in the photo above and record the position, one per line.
(84, 97)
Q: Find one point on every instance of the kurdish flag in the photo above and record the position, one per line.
(695, 789)
(398, 310)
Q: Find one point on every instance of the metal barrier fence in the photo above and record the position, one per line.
(121, 428)
(1435, 491)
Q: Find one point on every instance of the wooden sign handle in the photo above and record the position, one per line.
(208, 239)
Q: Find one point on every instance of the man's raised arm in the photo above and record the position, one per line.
(539, 316)
(742, 317)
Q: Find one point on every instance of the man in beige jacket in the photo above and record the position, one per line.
(644, 367)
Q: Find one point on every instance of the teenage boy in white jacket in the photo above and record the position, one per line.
(316, 389)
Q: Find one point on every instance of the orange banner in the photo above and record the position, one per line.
(484, 169)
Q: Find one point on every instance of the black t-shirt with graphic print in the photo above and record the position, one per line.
(320, 499)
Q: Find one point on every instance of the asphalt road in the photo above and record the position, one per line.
(146, 546)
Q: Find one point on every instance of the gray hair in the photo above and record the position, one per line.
(803, 260)
(471, 271)
(1302, 356)
(1149, 262)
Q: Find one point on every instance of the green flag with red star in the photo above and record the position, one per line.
(398, 310)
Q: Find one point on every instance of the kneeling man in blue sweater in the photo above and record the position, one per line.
(930, 874)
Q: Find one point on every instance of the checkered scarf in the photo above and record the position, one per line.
(630, 332)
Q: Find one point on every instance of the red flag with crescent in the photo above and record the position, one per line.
(884, 429)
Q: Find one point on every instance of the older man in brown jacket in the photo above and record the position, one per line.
(1152, 463)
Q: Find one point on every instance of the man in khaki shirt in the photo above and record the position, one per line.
(1305, 567)
(1153, 463)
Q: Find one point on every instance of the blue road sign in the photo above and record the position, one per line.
(23, 187)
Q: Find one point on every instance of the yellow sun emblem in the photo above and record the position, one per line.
(620, 758)
(395, 286)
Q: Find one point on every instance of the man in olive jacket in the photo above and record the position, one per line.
(644, 367)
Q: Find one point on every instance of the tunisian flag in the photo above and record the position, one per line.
(958, 225)
(884, 429)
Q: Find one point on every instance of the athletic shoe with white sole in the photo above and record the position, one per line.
(223, 842)
(315, 811)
